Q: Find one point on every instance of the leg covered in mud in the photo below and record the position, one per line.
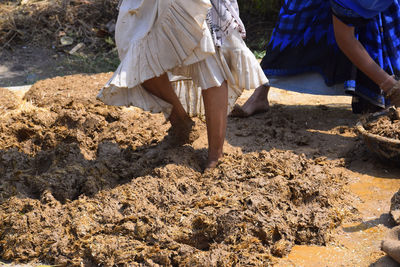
(182, 126)
(216, 108)
(391, 244)
(257, 103)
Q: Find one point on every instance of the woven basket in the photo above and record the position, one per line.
(387, 149)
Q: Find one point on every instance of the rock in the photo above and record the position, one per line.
(65, 40)
(391, 244)
(395, 207)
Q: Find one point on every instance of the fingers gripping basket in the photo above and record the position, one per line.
(387, 149)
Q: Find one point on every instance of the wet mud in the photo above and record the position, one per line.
(82, 183)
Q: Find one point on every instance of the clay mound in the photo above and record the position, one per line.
(69, 92)
(8, 100)
(250, 207)
(87, 184)
(65, 110)
(36, 129)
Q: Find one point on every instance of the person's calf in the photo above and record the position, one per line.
(216, 107)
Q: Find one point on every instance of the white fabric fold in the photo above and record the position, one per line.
(158, 36)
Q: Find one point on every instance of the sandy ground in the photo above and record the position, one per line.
(87, 184)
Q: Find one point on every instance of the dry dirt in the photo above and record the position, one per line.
(86, 184)
(44, 22)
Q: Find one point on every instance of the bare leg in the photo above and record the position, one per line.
(257, 103)
(216, 108)
(180, 121)
(161, 87)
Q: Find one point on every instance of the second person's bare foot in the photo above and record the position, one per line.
(257, 103)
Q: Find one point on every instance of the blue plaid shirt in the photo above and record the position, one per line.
(303, 22)
(365, 8)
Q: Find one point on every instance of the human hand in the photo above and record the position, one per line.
(394, 94)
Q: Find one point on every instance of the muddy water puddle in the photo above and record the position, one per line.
(355, 243)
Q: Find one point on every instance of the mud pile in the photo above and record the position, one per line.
(65, 111)
(8, 100)
(83, 183)
(386, 126)
(22, 22)
(78, 211)
(69, 92)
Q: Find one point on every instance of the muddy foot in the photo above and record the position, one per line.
(211, 165)
(391, 244)
(183, 134)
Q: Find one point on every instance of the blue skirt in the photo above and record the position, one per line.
(304, 41)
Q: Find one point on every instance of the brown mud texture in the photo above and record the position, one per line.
(386, 126)
(8, 100)
(84, 184)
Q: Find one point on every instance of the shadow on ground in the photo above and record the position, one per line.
(25, 65)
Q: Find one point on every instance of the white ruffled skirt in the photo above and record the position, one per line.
(158, 36)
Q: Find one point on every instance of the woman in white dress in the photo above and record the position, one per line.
(175, 51)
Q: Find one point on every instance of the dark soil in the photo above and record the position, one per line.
(87, 184)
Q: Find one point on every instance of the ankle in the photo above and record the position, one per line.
(212, 163)
(214, 156)
(262, 92)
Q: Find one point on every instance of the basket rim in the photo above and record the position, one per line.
(361, 129)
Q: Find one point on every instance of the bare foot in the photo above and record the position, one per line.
(257, 103)
(211, 164)
(184, 133)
